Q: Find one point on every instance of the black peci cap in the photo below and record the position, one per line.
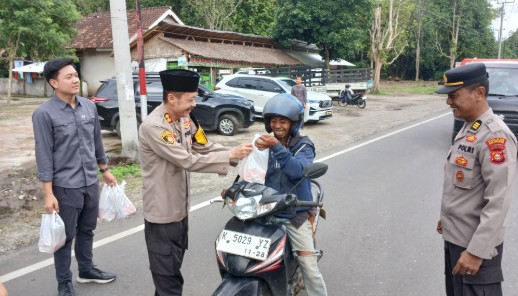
(463, 76)
(179, 80)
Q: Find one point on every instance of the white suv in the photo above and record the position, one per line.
(260, 89)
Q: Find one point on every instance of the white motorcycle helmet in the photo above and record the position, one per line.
(284, 105)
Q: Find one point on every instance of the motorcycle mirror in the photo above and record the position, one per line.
(312, 171)
(315, 170)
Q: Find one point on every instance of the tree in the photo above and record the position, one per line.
(335, 26)
(419, 17)
(389, 34)
(510, 46)
(36, 29)
(475, 39)
(254, 17)
(85, 7)
(466, 32)
(216, 13)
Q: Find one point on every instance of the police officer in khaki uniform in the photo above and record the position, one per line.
(171, 145)
(478, 182)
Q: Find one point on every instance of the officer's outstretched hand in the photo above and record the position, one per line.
(240, 151)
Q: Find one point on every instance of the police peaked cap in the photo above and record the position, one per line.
(179, 80)
(462, 76)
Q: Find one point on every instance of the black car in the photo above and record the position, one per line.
(503, 94)
(224, 113)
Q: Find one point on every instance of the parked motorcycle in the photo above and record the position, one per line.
(255, 256)
(356, 99)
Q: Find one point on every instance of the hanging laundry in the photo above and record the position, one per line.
(18, 64)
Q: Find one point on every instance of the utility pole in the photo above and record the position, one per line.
(121, 52)
(141, 64)
(502, 13)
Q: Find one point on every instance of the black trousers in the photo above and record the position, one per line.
(78, 208)
(166, 245)
(488, 280)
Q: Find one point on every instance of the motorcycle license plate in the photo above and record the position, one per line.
(243, 244)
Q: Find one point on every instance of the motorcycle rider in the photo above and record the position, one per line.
(290, 153)
(347, 93)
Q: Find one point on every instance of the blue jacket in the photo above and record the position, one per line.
(285, 167)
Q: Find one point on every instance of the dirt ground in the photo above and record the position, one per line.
(21, 203)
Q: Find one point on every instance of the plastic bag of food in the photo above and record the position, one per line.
(114, 204)
(253, 167)
(52, 233)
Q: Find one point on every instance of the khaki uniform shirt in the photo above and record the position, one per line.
(167, 154)
(478, 182)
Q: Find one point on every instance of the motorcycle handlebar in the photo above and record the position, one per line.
(301, 203)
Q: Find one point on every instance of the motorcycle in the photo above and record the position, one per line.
(356, 99)
(254, 256)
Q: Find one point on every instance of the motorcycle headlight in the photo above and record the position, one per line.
(245, 208)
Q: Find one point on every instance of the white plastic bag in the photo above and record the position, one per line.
(253, 167)
(114, 204)
(306, 112)
(52, 233)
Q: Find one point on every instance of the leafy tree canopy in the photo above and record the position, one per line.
(36, 29)
(337, 27)
(510, 46)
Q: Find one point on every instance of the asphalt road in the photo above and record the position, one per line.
(382, 197)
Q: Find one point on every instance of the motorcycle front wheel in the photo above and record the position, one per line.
(342, 103)
(362, 103)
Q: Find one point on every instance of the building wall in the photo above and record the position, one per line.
(38, 88)
(100, 65)
(157, 48)
(96, 66)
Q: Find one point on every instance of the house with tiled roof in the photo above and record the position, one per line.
(169, 43)
(94, 44)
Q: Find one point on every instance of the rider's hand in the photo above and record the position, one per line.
(266, 141)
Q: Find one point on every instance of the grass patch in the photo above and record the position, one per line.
(125, 171)
(391, 88)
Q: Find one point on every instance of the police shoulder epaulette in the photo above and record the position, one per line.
(475, 126)
(494, 125)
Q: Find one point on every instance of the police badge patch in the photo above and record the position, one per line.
(497, 157)
(168, 137)
(459, 176)
(471, 138)
(496, 148)
(461, 161)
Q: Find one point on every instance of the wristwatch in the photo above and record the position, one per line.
(104, 170)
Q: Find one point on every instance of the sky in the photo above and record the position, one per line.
(510, 18)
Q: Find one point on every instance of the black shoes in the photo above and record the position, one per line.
(95, 276)
(66, 289)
